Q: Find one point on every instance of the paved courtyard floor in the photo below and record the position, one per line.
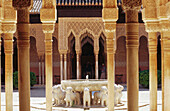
(38, 101)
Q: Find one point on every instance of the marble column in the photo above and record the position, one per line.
(65, 66)
(166, 69)
(78, 65)
(96, 67)
(61, 67)
(162, 70)
(132, 48)
(48, 70)
(153, 70)
(8, 46)
(110, 69)
(23, 59)
(40, 72)
(43, 73)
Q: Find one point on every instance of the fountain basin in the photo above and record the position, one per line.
(80, 84)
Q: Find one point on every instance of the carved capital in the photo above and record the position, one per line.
(110, 14)
(152, 26)
(132, 4)
(165, 25)
(110, 26)
(48, 27)
(48, 15)
(132, 16)
(8, 27)
(22, 4)
(152, 42)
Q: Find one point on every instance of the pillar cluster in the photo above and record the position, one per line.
(132, 47)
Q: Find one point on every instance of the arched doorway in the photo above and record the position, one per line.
(87, 58)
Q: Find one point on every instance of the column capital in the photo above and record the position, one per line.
(132, 4)
(152, 42)
(63, 51)
(48, 27)
(165, 25)
(152, 26)
(22, 4)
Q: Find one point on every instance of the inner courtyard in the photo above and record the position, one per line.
(102, 42)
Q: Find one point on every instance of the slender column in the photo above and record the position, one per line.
(48, 70)
(166, 46)
(78, 65)
(43, 75)
(23, 59)
(162, 70)
(132, 45)
(8, 45)
(153, 70)
(40, 72)
(96, 67)
(65, 66)
(110, 69)
(61, 67)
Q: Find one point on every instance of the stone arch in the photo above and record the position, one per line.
(85, 33)
(34, 60)
(143, 54)
(120, 59)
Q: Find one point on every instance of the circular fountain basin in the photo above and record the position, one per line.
(80, 84)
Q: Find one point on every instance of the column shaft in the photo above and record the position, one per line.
(61, 67)
(110, 74)
(132, 44)
(40, 72)
(162, 70)
(23, 59)
(8, 43)
(48, 70)
(153, 70)
(96, 67)
(78, 64)
(166, 46)
(65, 66)
(43, 75)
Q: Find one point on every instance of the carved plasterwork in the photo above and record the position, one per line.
(132, 4)
(19, 4)
(78, 27)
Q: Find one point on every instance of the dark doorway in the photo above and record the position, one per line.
(87, 59)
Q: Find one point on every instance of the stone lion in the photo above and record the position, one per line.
(58, 94)
(86, 97)
(104, 96)
(71, 96)
(120, 88)
(100, 96)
